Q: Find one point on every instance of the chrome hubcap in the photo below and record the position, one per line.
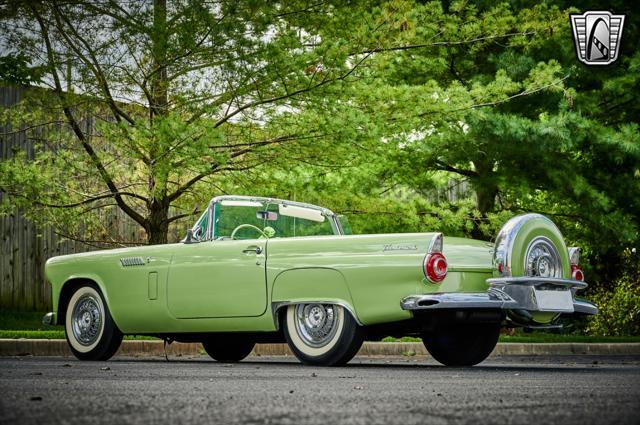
(86, 320)
(542, 259)
(316, 323)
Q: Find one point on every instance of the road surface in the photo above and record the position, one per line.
(278, 390)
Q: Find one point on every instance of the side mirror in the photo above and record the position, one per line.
(190, 238)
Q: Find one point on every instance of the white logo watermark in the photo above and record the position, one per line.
(597, 36)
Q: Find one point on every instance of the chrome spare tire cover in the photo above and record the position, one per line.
(531, 245)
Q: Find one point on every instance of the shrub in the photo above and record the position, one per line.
(619, 310)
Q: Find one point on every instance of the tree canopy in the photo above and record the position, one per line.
(369, 108)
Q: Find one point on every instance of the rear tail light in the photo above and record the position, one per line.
(435, 264)
(576, 273)
(435, 267)
(574, 258)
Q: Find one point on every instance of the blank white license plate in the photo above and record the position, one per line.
(554, 300)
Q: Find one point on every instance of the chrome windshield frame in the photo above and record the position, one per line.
(335, 223)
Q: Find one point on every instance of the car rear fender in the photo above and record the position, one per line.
(310, 285)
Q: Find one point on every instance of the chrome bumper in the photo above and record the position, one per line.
(49, 319)
(510, 293)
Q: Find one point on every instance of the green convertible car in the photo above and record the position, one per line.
(256, 270)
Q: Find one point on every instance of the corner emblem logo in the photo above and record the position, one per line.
(597, 36)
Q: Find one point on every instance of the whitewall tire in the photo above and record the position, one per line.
(322, 334)
(89, 327)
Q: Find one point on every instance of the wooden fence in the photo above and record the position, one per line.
(25, 247)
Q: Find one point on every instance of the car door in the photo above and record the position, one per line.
(218, 279)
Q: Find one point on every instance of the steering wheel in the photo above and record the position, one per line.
(248, 226)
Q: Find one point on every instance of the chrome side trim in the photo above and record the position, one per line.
(49, 319)
(132, 261)
(277, 305)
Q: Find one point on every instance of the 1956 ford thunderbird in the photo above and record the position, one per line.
(257, 270)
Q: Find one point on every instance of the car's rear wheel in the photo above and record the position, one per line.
(322, 334)
(228, 348)
(90, 330)
(462, 344)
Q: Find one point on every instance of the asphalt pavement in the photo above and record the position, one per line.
(278, 390)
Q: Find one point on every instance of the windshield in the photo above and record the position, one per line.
(254, 219)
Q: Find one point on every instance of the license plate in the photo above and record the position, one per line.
(561, 301)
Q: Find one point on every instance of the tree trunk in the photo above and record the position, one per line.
(158, 79)
(486, 191)
(158, 208)
(158, 223)
(485, 198)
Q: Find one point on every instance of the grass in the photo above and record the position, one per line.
(30, 334)
(542, 337)
(55, 334)
(24, 320)
(28, 324)
(20, 324)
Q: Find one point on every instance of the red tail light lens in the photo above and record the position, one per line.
(576, 273)
(435, 267)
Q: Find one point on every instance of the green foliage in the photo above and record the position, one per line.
(152, 105)
(15, 70)
(619, 310)
(369, 108)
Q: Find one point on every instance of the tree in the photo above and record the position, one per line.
(448, 103)
(494, 95)
(559, 137)
(153, 102)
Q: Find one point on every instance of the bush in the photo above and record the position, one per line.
(619, 310)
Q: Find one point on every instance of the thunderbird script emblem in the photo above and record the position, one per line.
(597, 36)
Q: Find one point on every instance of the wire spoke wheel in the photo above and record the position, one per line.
(542, 259)
(322, 334)
(91, 332)
(316, 323)
(86, 320)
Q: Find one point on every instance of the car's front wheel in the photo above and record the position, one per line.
(91, 332)
(322, 334)
(228, 348)
(462, 344)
